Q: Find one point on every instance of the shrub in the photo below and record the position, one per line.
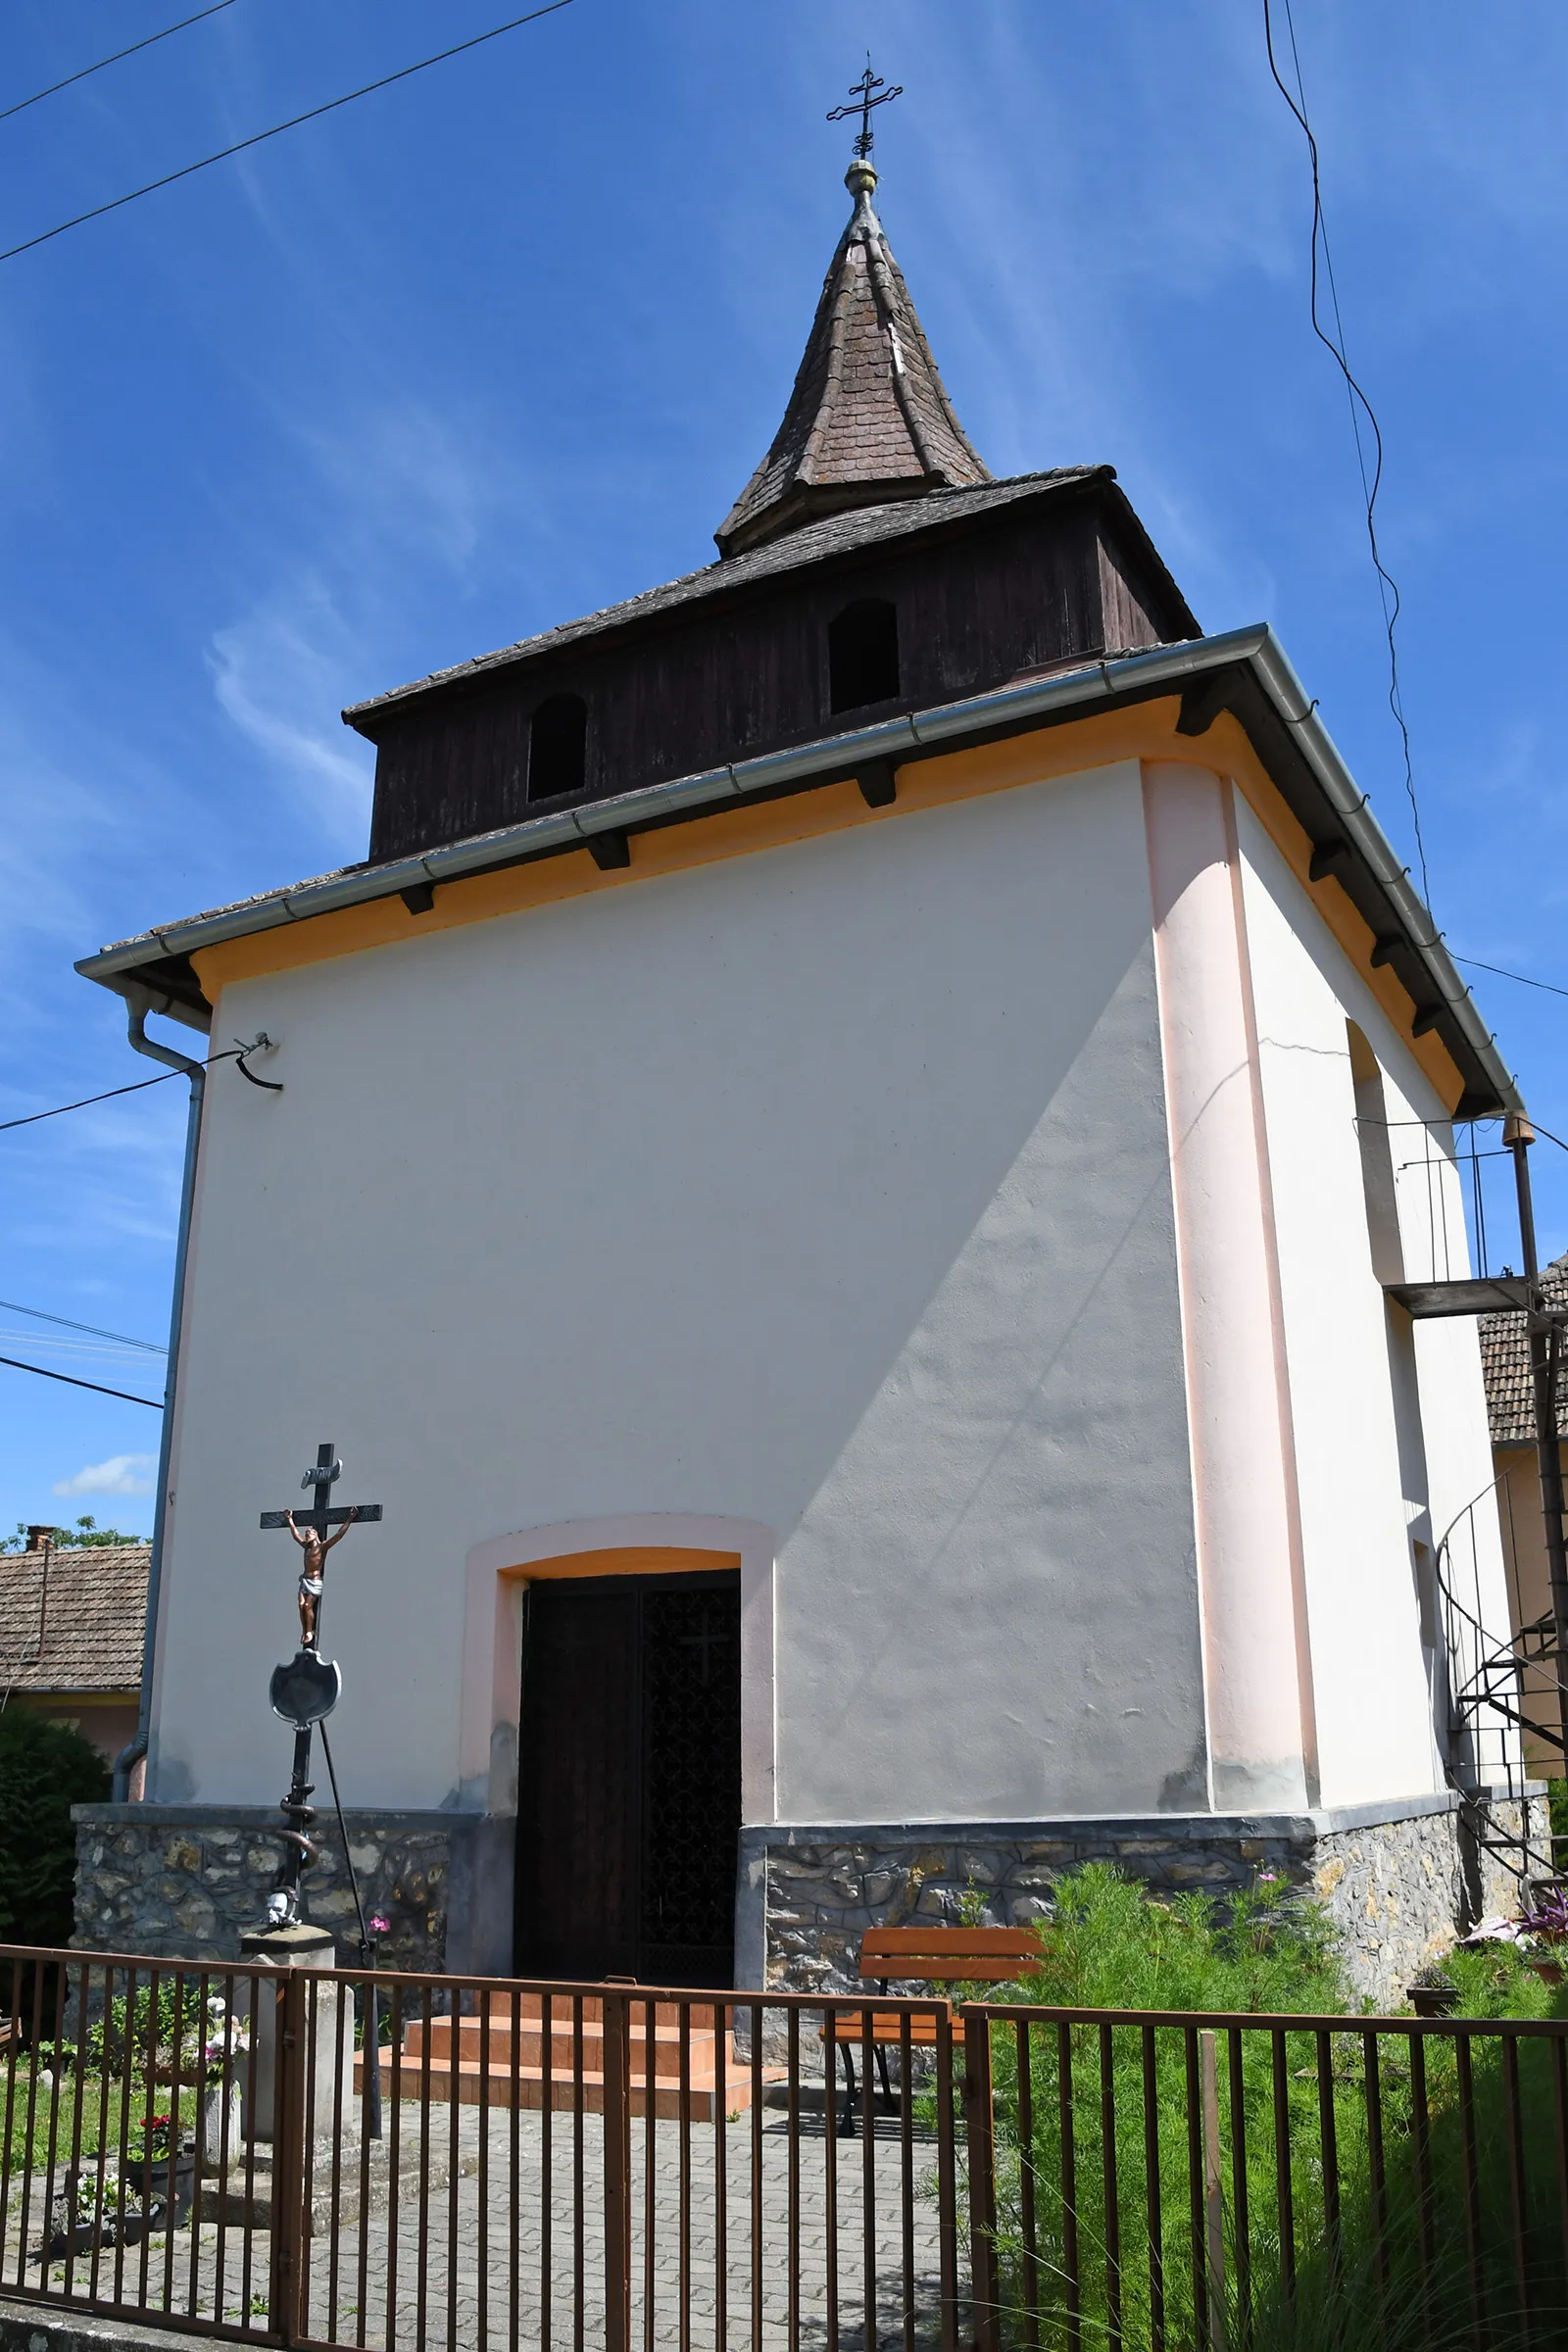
(1396, 2159)
(1111, 1944)
(1496, 1980)
(44, 1770)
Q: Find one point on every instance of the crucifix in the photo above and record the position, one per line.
(307, 1688)
(314, 1541)
(862, 102)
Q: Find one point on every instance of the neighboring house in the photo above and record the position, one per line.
(1511, 1413)
(71, 1636)
(831, 1174)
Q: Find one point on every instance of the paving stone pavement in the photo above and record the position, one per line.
(514, 2243)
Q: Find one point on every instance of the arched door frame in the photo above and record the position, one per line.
(499, 1569)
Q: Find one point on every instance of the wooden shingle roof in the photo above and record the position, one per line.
(1505, 1364)
(868, 419)
(73, 1620)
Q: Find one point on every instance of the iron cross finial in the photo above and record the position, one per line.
(862, 102)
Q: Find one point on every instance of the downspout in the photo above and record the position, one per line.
(133, 1752)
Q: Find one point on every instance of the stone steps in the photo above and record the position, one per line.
(659, 2053)
(505, 2066)
(470, 2089)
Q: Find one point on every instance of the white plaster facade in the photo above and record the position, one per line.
(958, 1219)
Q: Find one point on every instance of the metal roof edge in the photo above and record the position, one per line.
(1276, 673)
(1138, 674)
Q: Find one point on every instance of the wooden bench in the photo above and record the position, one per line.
(928, 1956)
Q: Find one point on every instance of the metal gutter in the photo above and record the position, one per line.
(1253, 655)
(196, 1071)
(1273, 668)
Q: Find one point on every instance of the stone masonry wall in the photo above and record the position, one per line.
(1396, 1892)
(184, 1882)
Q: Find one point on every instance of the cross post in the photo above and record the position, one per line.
(305, 1690)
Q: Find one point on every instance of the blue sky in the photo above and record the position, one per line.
(500, 345)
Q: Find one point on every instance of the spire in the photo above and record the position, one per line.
(868, 419)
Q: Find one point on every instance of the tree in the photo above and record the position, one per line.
(45, 1769)
(85, 1531)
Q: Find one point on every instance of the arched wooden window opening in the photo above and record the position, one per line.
(558, 738)
(862, 653)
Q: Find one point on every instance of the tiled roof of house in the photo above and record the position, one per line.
(73, 1620)
(868, 418)
(1505, 1362)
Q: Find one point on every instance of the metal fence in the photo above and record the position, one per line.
(627, 2167)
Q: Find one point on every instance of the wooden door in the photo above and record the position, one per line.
(629, 1797)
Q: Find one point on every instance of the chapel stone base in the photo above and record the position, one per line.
(188, 1881)
(1398, 1882)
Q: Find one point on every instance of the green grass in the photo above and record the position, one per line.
(55, 2104)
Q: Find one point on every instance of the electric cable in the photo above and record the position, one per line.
(1523, 978)
(22, 104)
(12, 1306)
(17, 1365)
(137, 1086)
(311, 115)
(87, 1101)
(1387, 587)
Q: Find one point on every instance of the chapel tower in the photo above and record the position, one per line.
(834, 1096)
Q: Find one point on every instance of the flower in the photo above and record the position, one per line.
(1549, 1918)
(226, 2040)
(379, 1926)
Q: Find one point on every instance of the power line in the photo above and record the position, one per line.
(311, 115)
(22, 104)
(11, 1307)
(71, 1382)
(1387, 587)
(87, 1101)
(1523, 978)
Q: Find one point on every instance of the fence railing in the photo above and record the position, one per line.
(575, 2166)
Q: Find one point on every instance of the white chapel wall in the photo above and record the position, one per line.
(825, 1188)
(1372, 1699)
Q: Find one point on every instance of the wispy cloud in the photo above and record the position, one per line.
(121, 1474)
(280, 675)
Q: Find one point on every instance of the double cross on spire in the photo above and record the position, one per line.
(862, 102)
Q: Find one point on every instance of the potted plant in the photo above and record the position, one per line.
(1433, 1993)
(158, 2175)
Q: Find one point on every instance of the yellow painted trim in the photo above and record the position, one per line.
(624, 1560)
(717, 836)
(1144, 731)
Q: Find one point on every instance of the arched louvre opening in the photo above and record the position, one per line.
(862, 653)
(558, 741)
